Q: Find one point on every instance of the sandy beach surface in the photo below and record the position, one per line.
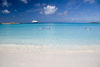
(36, 56)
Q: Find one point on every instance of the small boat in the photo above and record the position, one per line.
(34, 21)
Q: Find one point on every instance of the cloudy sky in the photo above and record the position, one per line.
(50, 10)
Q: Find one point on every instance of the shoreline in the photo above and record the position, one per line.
(88, 49)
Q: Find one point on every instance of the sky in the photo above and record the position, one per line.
(50, 10)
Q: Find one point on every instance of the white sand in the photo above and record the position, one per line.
(36, 56)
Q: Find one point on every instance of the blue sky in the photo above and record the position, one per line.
(50, 10)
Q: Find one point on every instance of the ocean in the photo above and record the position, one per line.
(51, 34)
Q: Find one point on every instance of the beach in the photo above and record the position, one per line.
(50, 45)
(49, 33)
(49, 56)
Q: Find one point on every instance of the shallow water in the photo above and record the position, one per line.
(58, 34)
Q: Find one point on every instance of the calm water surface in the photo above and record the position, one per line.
(66, 34)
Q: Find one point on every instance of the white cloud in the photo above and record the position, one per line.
(63, 13)
(5, 3)
(50, 9)
(89, 1)
(6, 11)
(25, 1)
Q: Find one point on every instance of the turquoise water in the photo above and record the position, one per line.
(66, 34)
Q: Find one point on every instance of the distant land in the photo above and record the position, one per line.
(30, 22)
(16, 23)
(9, 23)
(94, 22)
